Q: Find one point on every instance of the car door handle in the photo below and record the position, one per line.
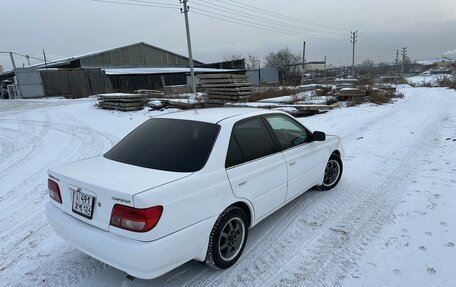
(292, 163)
(242, 183)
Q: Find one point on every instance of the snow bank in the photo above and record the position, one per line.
(428, 80)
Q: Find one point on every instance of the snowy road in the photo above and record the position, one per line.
(390, 222)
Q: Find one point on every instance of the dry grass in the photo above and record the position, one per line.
(365, 82)
(449, 83)
(271, 93)
(379, 98)
(401, 81)
(355, 101)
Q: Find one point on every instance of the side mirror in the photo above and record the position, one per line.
(319, 136)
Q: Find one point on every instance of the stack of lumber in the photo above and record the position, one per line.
(122, 102)
(346, 83)
(225, 88)
(351, 93)
(152, 93)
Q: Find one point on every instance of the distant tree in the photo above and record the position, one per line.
(252, 63)
(286, 63)
(366, 68)
(233, 57)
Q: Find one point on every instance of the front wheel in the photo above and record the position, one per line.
(333, 172)
(227, 239)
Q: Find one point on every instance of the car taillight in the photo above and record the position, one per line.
(135, 219)
(54, 191)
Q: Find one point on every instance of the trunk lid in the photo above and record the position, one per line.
(108, 182)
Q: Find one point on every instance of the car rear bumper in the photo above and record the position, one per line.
(144, 260)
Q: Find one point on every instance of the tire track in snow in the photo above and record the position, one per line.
(317, 241)
(253, 257)
(31, 142)
(348, 247)
(86, 142)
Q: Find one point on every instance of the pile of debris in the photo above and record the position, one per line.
(122, 102)
(173, 103)
(390, 89)
(225, 88)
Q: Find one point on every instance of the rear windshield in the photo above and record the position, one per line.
(167, 144)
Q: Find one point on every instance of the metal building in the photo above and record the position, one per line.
(122, 69)
(135, 55)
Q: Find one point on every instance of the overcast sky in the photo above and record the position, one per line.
(71, 27)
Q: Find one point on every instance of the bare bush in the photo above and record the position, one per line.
(447, 82)
(287, 64)
(378, 98)
(355, 101)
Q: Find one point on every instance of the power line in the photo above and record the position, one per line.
(154, 3)
(261, 18)
(361, 56)
(278, 15)
(372, 47)
(223, 17)
(255, 18)
(256, 25)
(137, 4)
(383, 42)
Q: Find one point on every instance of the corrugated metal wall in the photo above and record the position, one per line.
(130, 83)
(30, 84)
(139, 55)
(75, 83)
(269, 75)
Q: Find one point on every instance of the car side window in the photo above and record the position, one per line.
(288, 132)
(250, 140)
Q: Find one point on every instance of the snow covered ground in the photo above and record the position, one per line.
(390, 222)
(426, 80)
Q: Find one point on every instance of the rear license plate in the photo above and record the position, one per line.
(83, 204)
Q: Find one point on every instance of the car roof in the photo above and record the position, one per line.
(215, 115)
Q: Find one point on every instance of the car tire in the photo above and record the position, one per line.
(227, 239)
(333, 172)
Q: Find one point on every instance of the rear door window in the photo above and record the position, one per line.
(250, 140)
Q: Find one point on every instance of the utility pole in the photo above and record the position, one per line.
(397, 62)
(303, 62)
(354, 39)
(324, 71)
(189, 44)
(28, 59)
(259, 75)
(45, 61)
(404, 55)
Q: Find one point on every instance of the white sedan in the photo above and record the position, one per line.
(188, 185)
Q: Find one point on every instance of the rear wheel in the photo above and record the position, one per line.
(333, 172)
(228, 238)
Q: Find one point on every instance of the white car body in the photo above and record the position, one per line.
(192, 201)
